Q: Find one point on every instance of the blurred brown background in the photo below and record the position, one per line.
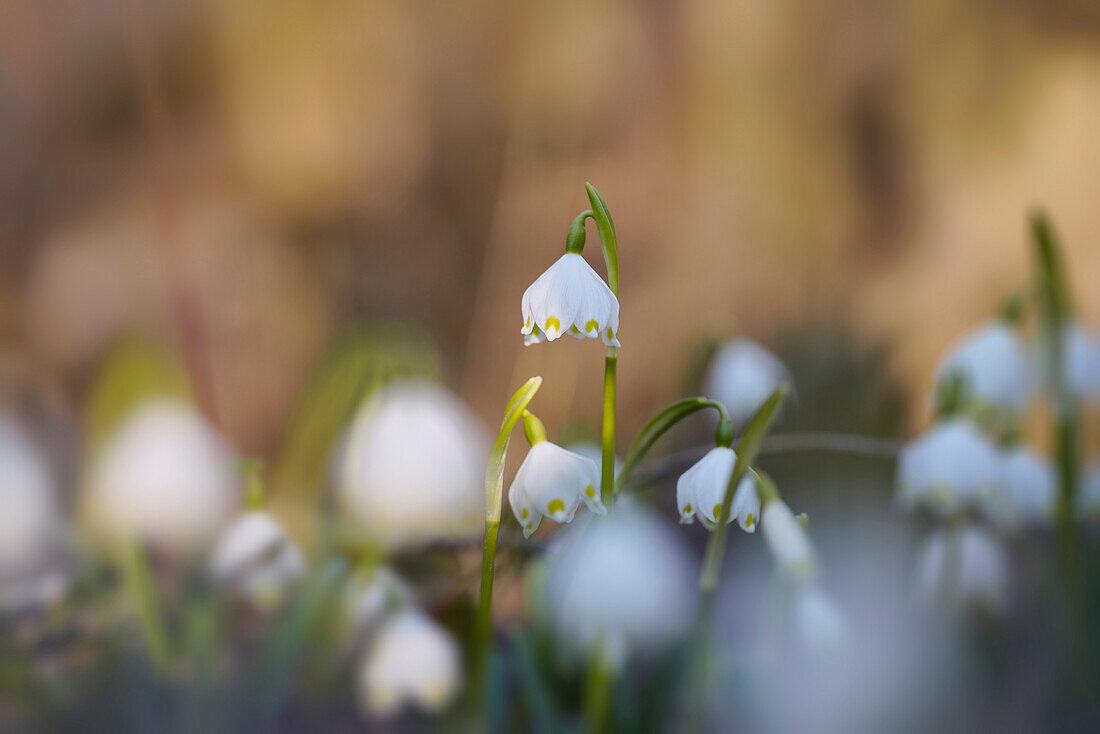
(273, 170)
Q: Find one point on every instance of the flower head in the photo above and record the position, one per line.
(257, 560)
(742, 376)
(166, 478)
(1026, 491)
(553, 482)
(369, 597)
(967, 565)
(412, 660)
(625, 585)
(412, 466)
(570, 297)
(701, 490)
(1083, 362)
(993, 366)
(787, 540)
(949, 467)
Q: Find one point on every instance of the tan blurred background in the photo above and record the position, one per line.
(267, 171)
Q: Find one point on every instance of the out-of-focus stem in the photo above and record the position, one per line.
(607, 466)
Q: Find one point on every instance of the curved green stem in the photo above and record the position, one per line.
(665, 420)
(608, 239)
(494, 491)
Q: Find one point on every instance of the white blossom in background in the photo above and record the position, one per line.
(949, 467)
(1026, 491)
(257, 560)
(742, 376)
(411, 661)
(967, 565)
(818, 622)
(787, 541)
(165, 478)
(627, 585)
(570, 298)
(32, 571)
(1083, 362)
(412, 467)
(702, 488)
(994, 367)
(1088, 492)
(592, 451)
(552, 482)
(369, 598)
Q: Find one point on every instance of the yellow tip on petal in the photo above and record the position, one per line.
(717, 511)
(592, 325)
(523, 513)
(687, 509)
(555, 506)
(590, 491)
(750, 520)
(552, 322)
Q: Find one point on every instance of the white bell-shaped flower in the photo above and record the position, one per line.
(626, 585)
(552, 482)
(369, 597)
(993, 365)
(165, 478)
(787, 540)
(570, 297)
(412, 467)
(702, 488)
(594, 452)
(968, 565)
(257, 560)
(951, 466)
(1026, 492)
(819, 623)
(742, 375)
(410, 661)
(1088, 492)
(1083, 362)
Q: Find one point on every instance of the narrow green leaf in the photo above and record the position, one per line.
(609, 241)
(494, 472)
(142, 592)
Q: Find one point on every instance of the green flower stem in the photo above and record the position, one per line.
(139, 585)
(665, 420)
(749, 447)
(494, 491)
(607, 464)
(599, 683)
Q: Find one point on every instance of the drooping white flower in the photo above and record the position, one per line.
(993, 365)
(165, 478)
(702, 488)
(412, 467)
(257, 560)
(29, 518)
(951, 466)
(742, 375)
(968, 565)
(787, 540)
(626, 585)
(553, 482)
(820, 625)
(594, 452)
(570, 297)
(1083, 362)
(370, 596)
(1026, 491)
(411, 661)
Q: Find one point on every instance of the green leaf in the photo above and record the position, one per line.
(609, 241)
(494, 472)
(656, 427)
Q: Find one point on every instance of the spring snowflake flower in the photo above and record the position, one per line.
(165, 478)
(951, 466)
(412, 467)
(820, 625)
(968, 565)
(370, 597)
(626, 585)
(257, 561)
(742, 376)
(702, 488)
(1026, 491)
(1083, 362)
(570, 297)
(412, 660)
(553, 482)
(787, 540)
(994, 367)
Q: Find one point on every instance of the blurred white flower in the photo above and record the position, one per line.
(370, 596)
(819, 623)
(950, 466)
(257, 560)
(412, 660)
(993, 365)
(1088, 492)
(1026, 492)
(787, 540)
(625, 585)
(593, 452)
(553, 482)
(412, 467)
(701, 489)
(570, 297)
(29, 518)
(165, 478)
(1083, 362)
(742, 376)
(968, 565)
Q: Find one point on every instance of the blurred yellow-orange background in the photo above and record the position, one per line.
(277, 169)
